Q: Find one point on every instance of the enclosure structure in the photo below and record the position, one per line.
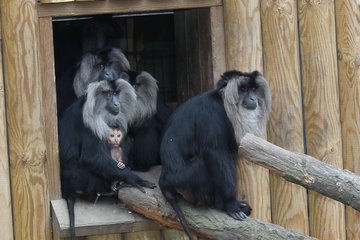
(308, 50)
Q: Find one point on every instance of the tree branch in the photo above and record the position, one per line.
(204, 222)
(341, 185)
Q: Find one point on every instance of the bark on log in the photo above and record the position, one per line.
(338, 184)
(204, 222)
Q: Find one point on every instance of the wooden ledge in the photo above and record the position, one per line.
(108, 216)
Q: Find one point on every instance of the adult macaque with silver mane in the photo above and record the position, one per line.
(87, 167)
(150, 118)
(150, 115)
(104, 64)
(200, 143)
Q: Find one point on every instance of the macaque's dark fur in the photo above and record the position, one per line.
(86, 164)
(200, 143)
(146, 130)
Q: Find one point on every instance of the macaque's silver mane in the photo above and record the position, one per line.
(85, 75)
(244, 120)
(146, 97)
(95, 115)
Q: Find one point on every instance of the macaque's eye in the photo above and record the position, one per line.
(107, 93)
(243, 88)
(253, 89)
(100, 65)
(119, 136)
(111, 135)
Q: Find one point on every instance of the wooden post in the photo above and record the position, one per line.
(348, 44)
(217, 42)
(321, 108)
(6, 219)
(30, 193)
(49, 106)
(285, 128)
(243, 49)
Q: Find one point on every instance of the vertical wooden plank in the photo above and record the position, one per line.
(194, 44)
(282, 68)
(243, 50)
(149, 235)
(48, 85)
(173, 234)
(180, 55)
(321, 108)
(217, 42)
(30, 195)
(348, 44)
(6, 219)
(204, 46)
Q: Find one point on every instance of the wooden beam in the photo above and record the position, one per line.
(243, 49)
(321, 108)
(333, 182)
(282, 68)
(47, 68)
(116, 6)
(204, 222)
(6, 219)
(30, 193)
(348, 51)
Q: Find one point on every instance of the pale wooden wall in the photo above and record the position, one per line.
(321, 108)
(6, 219)
(348, 46)
(29, 183)
(309, 51)
(243, 49)
(282, 69)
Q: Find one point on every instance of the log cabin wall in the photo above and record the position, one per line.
(308, 50)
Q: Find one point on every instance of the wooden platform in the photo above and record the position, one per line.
(106, 217)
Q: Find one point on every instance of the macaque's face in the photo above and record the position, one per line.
(115, 138)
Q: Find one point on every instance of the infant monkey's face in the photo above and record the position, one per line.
(115, 137)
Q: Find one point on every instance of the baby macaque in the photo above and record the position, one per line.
(115, 140)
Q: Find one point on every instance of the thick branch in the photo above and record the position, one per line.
(204, 222)
(341, 185)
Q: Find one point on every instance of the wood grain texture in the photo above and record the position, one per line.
(243, 49)
(348, 44)
(217, 42)
(56, 1)
(326, 179)
(321, 108)
(123, 6)
(149, 235)
(106, 237)
(285, 128)
(196, 54)
(204, 222)
(30, 193)
(108, 216)
(47, 67)
(6, 219)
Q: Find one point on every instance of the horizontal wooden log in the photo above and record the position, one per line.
(204, 222)
(115, 6)
(338, 184)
